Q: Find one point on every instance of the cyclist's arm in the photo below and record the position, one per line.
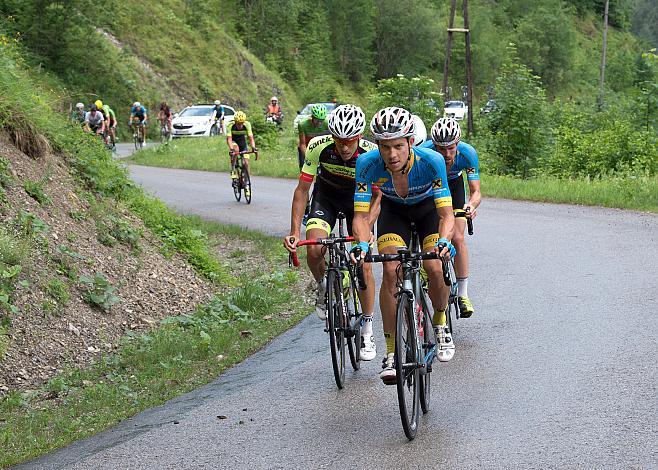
(362, 202)
(302, 143)
(375, 206)
(299, 201)
(250, 134)
(474, 197)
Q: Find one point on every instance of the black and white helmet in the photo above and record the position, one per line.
(392, 123)
(347, 121)
(446, 132)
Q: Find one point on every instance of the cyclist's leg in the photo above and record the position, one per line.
(427, 223)
(233, 155)
(394, 231)
(323, 217)
(458, 240)
(319, 225)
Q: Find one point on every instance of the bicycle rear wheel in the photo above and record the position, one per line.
(246, 185)
(406, 370)
(336, 322)
(354, 323)
(237, 184)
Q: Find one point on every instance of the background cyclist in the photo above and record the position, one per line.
(331, 161)
(218, 115)
(314, 125)
(236, 137)
(110, 120)
(164, 116)
(459, 157)
(94, 121)
(139, 115)
(414, 188)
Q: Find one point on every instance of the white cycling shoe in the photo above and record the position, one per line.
(446, 344)
(368, 348)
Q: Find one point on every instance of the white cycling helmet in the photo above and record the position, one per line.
(347, 121)
(392, 123)
(80, 105)
(446, 132)
(420, 134)
(218, 102)
(137, 104)
(274, 98)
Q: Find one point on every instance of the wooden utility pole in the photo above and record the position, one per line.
(605, 43)
(446, 65)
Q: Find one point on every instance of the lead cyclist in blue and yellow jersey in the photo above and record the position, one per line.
(460, 157)
(414, 188)
(331, 161)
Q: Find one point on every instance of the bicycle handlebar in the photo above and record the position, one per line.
(318, 241)
(244, 152)
(462, 213)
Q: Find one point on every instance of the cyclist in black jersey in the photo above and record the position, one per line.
(331, 161)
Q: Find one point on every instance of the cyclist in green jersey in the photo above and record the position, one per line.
(110, 120)
(331, 162)
(316, 124)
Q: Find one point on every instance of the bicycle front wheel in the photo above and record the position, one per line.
(336, 323)
(353, 314)
(406, 366)
(246, 186)
(237, 184)
(429, 342)
(136, 140)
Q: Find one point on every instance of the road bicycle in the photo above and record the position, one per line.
(415, 337)
(165, 134)
(242, 182)
(344, 313)
(138, 135)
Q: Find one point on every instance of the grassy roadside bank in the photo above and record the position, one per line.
(177, 356)
(637, 193)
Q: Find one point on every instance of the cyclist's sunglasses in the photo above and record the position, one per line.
(346, 141)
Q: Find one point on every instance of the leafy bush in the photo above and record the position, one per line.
(415, 94)
(516, 135)
(98, 291)
(590, 144)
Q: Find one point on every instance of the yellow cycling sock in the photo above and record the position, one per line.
(439, 318)
(390, 343)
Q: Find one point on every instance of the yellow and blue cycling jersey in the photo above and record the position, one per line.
(426, 177)
(465, 159)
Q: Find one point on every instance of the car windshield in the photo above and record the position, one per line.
(454, 104)
(307, 108)
(197, 111)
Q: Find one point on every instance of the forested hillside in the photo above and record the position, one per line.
(242, 51)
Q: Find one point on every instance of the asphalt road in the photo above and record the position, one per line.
(557, 368)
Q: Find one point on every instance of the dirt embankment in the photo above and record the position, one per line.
(76, 235)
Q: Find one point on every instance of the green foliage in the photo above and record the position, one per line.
(516, 136)
(29, 225)
(113, 229)
(35, 190)
(590, 144)
(401, 27)
(417, 94)
(13, 250)
(98, 291)
(59, 291)
(546, 39)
